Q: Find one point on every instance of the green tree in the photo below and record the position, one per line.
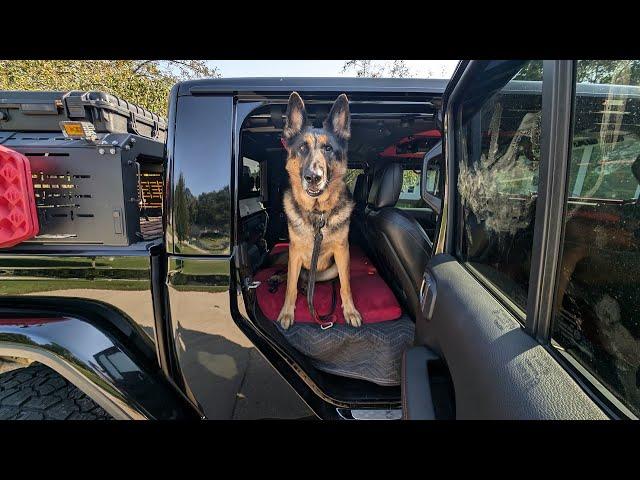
(620, 72)
(371, 69)
(617, 72)
(181, 212)
(410, 177)
(144, 82)
(213, 209)
(398, 69)
(531, 71)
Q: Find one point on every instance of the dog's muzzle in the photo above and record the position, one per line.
(313, 183)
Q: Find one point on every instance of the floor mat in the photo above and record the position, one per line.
(372, 352)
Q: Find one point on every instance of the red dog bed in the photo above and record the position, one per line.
(371, 295)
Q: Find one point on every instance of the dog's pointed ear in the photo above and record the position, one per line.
(339, 119)
(296, 117)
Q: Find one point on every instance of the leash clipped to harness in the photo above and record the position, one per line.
(323, 320)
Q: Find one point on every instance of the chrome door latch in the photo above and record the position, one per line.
(427, 295)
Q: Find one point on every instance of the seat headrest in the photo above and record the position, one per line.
(386, 186)
(360, 190)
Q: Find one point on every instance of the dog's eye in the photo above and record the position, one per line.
(328, 148)
(303, 147)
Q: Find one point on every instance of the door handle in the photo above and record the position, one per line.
(427, 295)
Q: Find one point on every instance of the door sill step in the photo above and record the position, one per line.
(370, 414)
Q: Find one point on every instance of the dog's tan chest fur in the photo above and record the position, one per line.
(301, 233)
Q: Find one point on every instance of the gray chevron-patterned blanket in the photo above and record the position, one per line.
(372, 352)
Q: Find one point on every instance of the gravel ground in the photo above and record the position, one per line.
(11, 363)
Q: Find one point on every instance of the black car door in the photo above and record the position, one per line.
(482, 347)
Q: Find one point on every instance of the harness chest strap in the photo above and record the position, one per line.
(323, 321)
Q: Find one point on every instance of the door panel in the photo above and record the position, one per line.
(498, 370)
(474, 297)
(211, 352)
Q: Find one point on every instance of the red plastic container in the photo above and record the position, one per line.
(18, 214)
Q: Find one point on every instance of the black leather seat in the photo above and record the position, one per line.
(402, 248)
(360, 191)
(357, 227)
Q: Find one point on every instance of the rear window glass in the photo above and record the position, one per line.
(498, 161)
(410, 192)
(249, 184)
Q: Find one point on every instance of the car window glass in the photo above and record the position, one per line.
(250, 179)
(351, 176)
(201, 222)
(597, 305)
(498, 156)
(410, 191)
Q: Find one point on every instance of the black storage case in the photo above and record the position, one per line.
(88, 192)
(24, 111)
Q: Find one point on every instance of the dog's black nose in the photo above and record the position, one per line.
(312, 178)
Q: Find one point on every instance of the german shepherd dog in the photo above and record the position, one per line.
(316, 164)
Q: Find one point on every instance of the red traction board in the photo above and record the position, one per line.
(18, 214)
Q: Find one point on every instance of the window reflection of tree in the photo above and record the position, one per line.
(202, 222)
(484, 183)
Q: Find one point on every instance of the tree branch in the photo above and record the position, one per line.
(142, 64)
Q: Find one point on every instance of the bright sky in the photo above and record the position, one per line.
(321, 68)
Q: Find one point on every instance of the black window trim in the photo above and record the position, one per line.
(597, 391)
(433, 201)
(555, 142)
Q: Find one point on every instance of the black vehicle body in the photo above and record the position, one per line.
(474, 356)
(263, 101)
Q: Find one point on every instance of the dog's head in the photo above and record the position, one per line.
(317, 156)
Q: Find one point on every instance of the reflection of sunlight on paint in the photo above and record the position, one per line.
(221, 364)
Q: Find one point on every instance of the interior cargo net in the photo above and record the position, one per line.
(18, 214)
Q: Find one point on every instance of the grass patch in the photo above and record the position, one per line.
(205, 267)
(187, 249)
(199, 288)
(219, 246)
(141, 262)
(17, 287)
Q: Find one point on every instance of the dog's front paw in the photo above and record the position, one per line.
(285, 318)
(352, 316)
